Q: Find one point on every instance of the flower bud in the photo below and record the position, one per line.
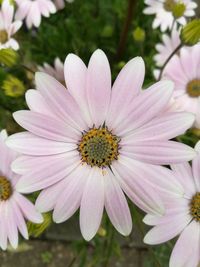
(190, 34)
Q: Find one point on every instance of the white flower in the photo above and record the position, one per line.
(162, 9)
(7, 27)
(33, 10)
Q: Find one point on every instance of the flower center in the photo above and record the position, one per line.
(99, 147)
(195, 207)
(193, 88)
(169, 4)
(3, 36)
(5, 188)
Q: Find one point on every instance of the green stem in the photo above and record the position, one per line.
(168, 59)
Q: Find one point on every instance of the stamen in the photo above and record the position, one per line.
(195, 207)
(99, 147)
(3, 36)
(5, 188)
(193, 88)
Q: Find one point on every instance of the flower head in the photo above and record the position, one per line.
(57, 71)
(7, 27)
(168, 45)
(13, 87)
(183, 70)
(92, 144)
(14, 208)
(182, 216)
(33, 10)
(166, 9)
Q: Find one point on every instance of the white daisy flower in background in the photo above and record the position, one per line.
(163, 12)
(60, 4)
(14, 207)
(33, 10)
(184, 71)
(167, 47)
(182, 216)
(57, 71)
(92, 144)
(8, 27)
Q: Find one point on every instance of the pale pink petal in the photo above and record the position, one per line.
(127, 85)
(158, 152)
(19, 219)
(70, 198)
(36, 102)
(166, 126)
(144, 107)
(3, 226)
(196, 167)
(28, 209)
(30, 144)
(47, 174)
(75, 78)
(187, 248)
(60, 100)
(98, 86)
(130, 175)
(46, 127)
(11, 225)
(166, 231)
(92, 204)
(116, 206)
(183, 173)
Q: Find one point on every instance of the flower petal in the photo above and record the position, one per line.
(30, 144)
(116, 206)
(92, 204)
(98, 86)
(70, 198)
(60, 100)
(45, 126)
(127, 85)
(158, 152)
(186, 250)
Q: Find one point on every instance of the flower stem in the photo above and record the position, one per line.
(168, 59)
(127, 23)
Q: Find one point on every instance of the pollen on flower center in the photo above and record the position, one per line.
(168, 5)
(195, 207)
(99, 147)
(193, 88)
(5, 188)
(3, 36)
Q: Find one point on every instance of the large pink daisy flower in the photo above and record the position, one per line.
(184, 71)
(89, 145)
(14, 207)
(182, 216)
(7, 27)
(163, 12)
(33, 10)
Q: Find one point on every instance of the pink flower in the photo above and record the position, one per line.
(163, 11)
(184, 71)
(88, 145)
(7, 27)
(33, 10)
(57, 71)
(60, 4)
(182, 216)
(14, 207)
(170, 43)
